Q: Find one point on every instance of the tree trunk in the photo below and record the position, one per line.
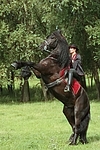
(98, 87)
(97, 81)
(25, 93)
(10, 84)
(1, 89)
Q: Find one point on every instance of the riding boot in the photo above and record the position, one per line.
(68, 86)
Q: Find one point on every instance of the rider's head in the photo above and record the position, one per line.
(73, 49)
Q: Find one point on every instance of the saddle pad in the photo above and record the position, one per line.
(62, 72)
(75, 86)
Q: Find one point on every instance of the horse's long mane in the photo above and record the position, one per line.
(63, 50)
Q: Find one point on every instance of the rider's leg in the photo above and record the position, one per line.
(70, 77)
(72, 73)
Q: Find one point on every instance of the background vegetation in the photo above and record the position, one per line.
(25, 23)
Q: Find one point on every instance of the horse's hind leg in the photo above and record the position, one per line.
(82, 116)
(83, 138)
(84, 127)
(69, 114)
(71, 138)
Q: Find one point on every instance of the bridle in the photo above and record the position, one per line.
(47, 44)
(45, 47)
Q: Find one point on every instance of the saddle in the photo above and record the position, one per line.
(75, 84)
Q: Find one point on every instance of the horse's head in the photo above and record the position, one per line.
(57, 44)
(52, 41)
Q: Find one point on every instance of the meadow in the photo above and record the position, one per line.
(42, 126)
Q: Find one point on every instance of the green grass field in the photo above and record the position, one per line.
(42, 126)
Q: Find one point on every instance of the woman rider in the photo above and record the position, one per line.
(75, 70)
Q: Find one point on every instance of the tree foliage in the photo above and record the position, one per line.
(25, 23)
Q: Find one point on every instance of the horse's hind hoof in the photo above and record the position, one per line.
(72, 143)
(83, 141)
(71, 138)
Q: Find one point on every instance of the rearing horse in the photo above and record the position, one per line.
(76, 103)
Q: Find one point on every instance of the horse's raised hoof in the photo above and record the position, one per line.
(15, 65)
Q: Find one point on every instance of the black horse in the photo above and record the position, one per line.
(76, 103)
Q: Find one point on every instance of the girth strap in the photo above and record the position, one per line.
(56, 82)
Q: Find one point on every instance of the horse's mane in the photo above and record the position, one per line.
(63, 51)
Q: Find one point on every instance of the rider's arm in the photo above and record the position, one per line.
(76, 62)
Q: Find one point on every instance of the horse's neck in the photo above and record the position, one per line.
(55, 53)
(54, 77)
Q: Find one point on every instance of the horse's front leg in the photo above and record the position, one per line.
(20, 64)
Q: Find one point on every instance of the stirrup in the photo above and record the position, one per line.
(67, 88)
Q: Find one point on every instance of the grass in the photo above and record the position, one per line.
(42, 126)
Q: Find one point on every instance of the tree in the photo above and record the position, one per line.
(94, 44)
(25, 23)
